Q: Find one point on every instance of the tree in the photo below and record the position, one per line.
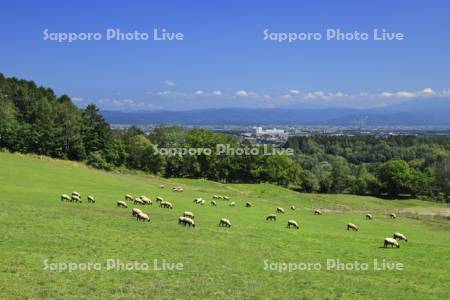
(8, 123)
(441, 169)
(396, 177)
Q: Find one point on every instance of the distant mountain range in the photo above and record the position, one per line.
(432, 112)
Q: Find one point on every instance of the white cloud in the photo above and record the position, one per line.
(386, 94)
(428, 91)
(169, 83)
(293, 96)
(242, 93)
(404, 94)
(124, 104)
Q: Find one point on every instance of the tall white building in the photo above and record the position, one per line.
(272, 132)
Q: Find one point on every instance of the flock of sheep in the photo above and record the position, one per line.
(187, 218)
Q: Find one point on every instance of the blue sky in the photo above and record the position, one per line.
(224, 60)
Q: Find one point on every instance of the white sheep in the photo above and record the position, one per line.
(135, 212)
(213, 203)
(161, 186)
(226, 198)
(142, 217)
(199, 201)
(128, 197)
(76, 194)
(292, 207)
(65, 197)
(166, 204)
(188, 214)
(232, 204)
(292, 223)
(392, 215)
(91, 199)
(189, 222)
(178, 189)
(399, 236)
(280, 210)
(271, 217)
(390, 241)
(317, 212)
(248, 204)
(352, 226)
(225, 222)
(138, 201)
(122, 204)
(75, 198)
(186, 221)
(159, 199)
(369, 217)
(215, 197)
(145, 200)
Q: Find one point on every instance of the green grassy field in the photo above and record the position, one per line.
(217, 262)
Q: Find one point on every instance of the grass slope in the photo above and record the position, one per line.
(218, 262)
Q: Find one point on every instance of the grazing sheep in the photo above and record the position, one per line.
(226, 198)
(128, 197)
(189, 222)
(221, 197)
(122, 204)
(352, 226)
(280, 210)
(317, 212)
(76, 194)
(159, 199)
(292, 207)
(145, 200)
(177, 189)
(166, 204)
(186, 221)
(369, 217)
(248, 204)
(271, 217)
(213, 203)
(399, 236)
(232, 204)
(91, 199)
(188, 214)
(215, 197)
(392, 242)
(292, 223)
(135, 212)
(225, 222)
(162, 186)
(75, 198)
(65, 197)
(393, 215)
(142, 217)
(199, 201)
(138, 201)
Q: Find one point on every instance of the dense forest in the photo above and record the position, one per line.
(34, 120)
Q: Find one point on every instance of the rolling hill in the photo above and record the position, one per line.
(39, 230)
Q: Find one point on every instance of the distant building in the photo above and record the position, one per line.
(259, 131)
